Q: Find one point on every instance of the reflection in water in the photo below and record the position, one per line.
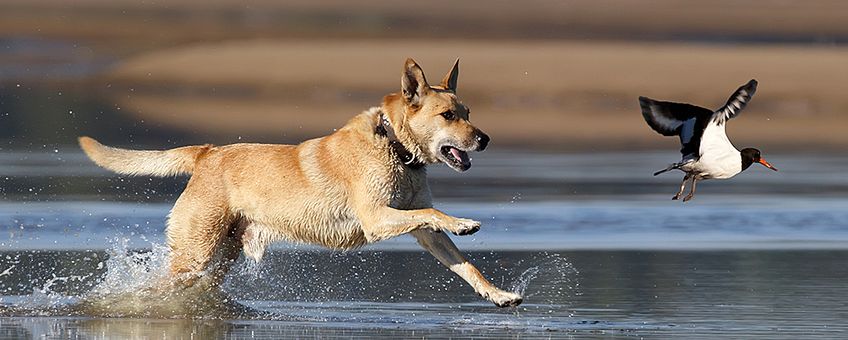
(787, 293)
(69, 328)
(155, 329)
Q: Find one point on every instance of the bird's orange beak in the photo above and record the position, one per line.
(766, 164)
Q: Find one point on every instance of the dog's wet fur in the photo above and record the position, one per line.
(341, 191)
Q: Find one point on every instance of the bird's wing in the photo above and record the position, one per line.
(677, 119)
(736, 103)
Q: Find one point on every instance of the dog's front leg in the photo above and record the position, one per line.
(441, 246)
(386, 222)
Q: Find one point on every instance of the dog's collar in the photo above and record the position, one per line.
(384, 128)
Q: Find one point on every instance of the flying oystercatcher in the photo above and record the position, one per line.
(707, 153)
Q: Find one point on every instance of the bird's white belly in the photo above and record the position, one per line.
(718, 157)
(718, 165)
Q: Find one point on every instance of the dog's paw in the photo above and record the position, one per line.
(465, 226)
(505, 299)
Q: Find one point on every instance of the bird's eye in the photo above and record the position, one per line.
(448, 115)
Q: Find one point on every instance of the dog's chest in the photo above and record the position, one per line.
(408, 189)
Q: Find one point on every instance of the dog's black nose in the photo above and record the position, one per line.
(482, 141)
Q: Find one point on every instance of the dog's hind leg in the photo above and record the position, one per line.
(441, 246)
(228, 252)
(197, 227)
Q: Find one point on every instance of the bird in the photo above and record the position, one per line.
(707, 152)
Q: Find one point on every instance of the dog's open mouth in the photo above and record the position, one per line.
(456, 158)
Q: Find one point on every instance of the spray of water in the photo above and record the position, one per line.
(520, 285)
(549, 280)
(136, 284)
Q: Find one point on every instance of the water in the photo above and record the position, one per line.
(527, 201)
(593, 241)
(620, 293)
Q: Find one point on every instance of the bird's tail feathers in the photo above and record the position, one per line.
(670, 167)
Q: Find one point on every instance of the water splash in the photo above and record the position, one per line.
(313, 286)
(549, 280)
(251, 268)
(129, 283)
(523, 281)
(137, 284)
(131, 270)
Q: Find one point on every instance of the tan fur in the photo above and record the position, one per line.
(340, 191)
(179, 161)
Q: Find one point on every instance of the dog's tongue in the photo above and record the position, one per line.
(462, 156)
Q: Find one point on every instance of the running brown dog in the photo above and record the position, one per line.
(364, 183)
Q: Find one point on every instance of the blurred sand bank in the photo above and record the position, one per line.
(557, 93)
(538, 73)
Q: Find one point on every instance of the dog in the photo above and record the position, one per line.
(364, 183)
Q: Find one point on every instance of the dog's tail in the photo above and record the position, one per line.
(162, 163)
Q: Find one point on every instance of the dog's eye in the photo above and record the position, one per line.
(448, 115)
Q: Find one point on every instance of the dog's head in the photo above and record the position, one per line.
(431, 122)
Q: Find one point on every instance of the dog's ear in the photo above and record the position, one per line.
(450, 79)
(413, 85)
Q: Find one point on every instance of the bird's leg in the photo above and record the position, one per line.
(692, 190)
(682, 187)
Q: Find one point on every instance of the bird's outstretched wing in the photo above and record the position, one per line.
(736, 103)
(677, 119)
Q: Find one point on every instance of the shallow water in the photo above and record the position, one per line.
(593, 241)
(615, 293)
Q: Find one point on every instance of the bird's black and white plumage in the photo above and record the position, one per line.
(707, 152)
